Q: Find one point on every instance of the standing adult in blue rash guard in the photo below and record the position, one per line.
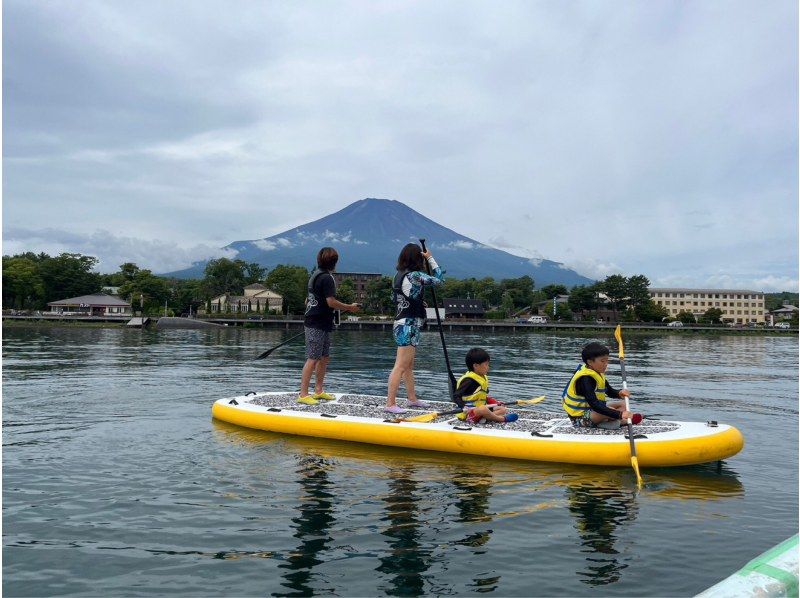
(407, 289)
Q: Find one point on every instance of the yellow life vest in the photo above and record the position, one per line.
(477, 398)
(576, 405)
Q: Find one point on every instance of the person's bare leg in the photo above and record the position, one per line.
(408, 378)
(308, 369)
(403, 361)
(322, 367)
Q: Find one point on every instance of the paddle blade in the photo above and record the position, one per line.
(618, 334)
(265, 354)
(533, 401)
(424, 418)
(635, 465)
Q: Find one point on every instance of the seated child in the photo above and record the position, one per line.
(472, 392)
(584, 397)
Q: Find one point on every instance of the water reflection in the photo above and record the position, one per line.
(604, 504)
(313, 525)
(598, 514)
(407, 558)
(473, 495)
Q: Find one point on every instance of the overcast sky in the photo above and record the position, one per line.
(631, 137)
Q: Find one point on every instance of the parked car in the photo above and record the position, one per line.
(537, 320)
(784, 325)
(675, 324)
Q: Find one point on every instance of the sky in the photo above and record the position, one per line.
(625, 137)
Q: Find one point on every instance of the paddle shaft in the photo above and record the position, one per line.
(288, 340)
(627, 406)
(451, 377)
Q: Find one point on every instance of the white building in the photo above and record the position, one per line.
(256, 298)
(737, 306)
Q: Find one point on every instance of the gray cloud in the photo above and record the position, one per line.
(614, 137)
(111, 250)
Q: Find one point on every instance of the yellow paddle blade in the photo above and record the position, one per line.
(531, 401)
(618, 334)
(424, 418)
(635, 464)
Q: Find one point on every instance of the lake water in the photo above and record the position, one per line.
(116, 481)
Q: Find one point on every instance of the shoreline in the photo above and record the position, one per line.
(385, 325)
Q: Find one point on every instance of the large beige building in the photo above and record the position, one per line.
(256, 298)
(738, 307)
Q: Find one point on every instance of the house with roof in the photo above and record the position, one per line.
(465, 309)
(91, 305)
(784, 313)
(257, 298)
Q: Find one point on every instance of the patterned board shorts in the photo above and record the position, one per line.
(318, 343)
(407, 332)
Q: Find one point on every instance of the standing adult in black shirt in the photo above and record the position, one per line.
(320, 305)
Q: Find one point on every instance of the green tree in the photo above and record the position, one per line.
(616, 289)
(291, 282)
(553, 290)
(686, 317)
(563, 312)
(776, 300)
(253, 273)
(650, 312)
(379, 296)
(224, 276)
(69, 275)
(582, 299)
(23, 287)
(520, 289)
(346, 292)
(488, 290)
(638, 290)
(712, 315)
(154, 289)
(507, 303)
(186, 295)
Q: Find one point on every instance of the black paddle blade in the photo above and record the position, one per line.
(268, 351)
(265, 353)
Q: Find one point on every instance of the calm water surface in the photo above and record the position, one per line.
(116, 481)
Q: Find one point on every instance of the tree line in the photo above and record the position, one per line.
(31, 280)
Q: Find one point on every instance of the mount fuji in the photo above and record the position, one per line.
(368, 234)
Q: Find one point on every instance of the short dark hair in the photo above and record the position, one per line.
(410, 258)
(475, 356)
(327, 258)
(592, 351)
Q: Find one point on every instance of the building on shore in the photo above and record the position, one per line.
(360, 282)
(91, 305)
(783, 314)
(257, 298)
(464, 309)
(737, 306)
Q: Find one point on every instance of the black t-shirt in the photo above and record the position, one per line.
(585, 387)
(324, 287)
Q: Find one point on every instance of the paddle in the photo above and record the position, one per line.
(451, 377)
(428, 417)
(288, 340)
(634, 459)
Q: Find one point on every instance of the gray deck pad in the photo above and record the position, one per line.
(530, 420)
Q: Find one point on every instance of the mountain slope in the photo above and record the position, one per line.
(368, 234)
